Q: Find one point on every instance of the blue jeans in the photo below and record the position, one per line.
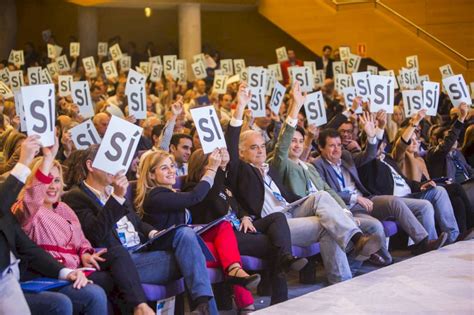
(89, 300)
(161, 266)
(444, 212)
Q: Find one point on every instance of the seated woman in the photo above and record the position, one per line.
(54, 226)
(267, 237)
(161, 206)
(405, 153)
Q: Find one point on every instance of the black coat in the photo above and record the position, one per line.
(12, 237)
(98, 222)
(246, 182)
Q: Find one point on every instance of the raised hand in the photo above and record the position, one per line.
(225, 158)
(177, 107)
(312, 131)
(120, 184)
(463, 111)
(49, 153)
(381, 118)
(30, 147)
(243, 98)
(298, 98)
(215, 160)
(418, 117)
(368, 123)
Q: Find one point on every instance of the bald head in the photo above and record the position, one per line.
(101, 122)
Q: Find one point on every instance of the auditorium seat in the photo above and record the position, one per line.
(154, 292)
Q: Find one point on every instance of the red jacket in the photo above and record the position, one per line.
(284, 69)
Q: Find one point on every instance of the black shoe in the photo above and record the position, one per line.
(249, 282)
(427, 246)
(377, 260)
(294, 263)
(201, 309)
(466, 236)
(365, 246)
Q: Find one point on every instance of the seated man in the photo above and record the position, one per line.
(181, 146)
(108, 219)
(303, 179)
(19, 253)
(258, 189)
(339, 169)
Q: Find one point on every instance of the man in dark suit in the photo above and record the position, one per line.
(109, 219)
(260, 191)
(338, 168)
(16, 246)
(325, 62)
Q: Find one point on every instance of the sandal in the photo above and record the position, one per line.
(248, 282)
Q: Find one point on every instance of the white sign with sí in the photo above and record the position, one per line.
(74, 49)
(102, 49)
(137, 101)
(278, 95)
(5, 91)
(219, 85)
(34, 75)
(382, 93)
(412, 102)
(89, 66)
(457, 90)
(64, 85)
(281, 54)
(304, 76)
(430, 97)
(208, 128)
(315, 109)
(156, 72)
(239, 66)
(81, 96)
(199, 70)
(115, 52)
(84, 135)
(16, 80)
(110, 70)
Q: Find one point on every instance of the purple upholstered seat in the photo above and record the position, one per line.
(253, 263)
(390, 228)
(307, 251)
(215, 275)
(155, 292)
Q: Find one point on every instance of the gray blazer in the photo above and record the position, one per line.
(350, 162)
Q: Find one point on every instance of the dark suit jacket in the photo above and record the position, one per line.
(350, 162)
(98, 222)
(320, 66)
(12, 237)
(246, 182)
(377, 177)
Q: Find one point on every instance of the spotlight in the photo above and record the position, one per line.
(147, 12)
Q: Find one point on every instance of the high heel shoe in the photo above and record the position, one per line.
(249, 282)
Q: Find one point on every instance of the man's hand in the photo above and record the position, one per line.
(368, 123)
(120, 184)
(177, 107)
(366, 203)
(428, 185)
(312, 131)
(131, 119)
(247, 225)
(29, 149)
(215, 160)
(91, 261)
(244, 95)
(352, 145)
(381, 118)
(298, 101)
(225, 158)
(418, 117)
(78, 279)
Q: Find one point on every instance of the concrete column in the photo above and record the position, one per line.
(8, 27)
(88, 27)
(189, 19)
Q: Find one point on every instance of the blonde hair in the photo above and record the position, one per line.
(34, 167)
(145, 181)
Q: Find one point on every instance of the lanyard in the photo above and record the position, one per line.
(91, 194)
(340, 177)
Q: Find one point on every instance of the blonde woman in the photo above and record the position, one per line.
(161, 206)
(54, 226)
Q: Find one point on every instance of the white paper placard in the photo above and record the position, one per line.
(311, 65)
(227, 66)
(182, 68)
(430, 97)
(199, 57)
(102, 48)
(118, 146)
(232, 79)
(134, 78)
(457, 90)
(257, 103)
(446, 71)
(281, 54)
(472, 89)
(34, 75)
(125, 63)
(156, 72)
(5, 76)
(199, 70)
(423, 78)
(84, 135)
(382, 93)
(412, 62)
(315, 109)
(410, 78)
(210, 62)
(170, 67)
(319, 78)
(244, 75)
(208, 128)
(304, 76)
(278, 95)
(51, 51)
(64, 85)
(412, 102)
(219, 72)
(270, 84)
(276, 69)
(17, 57)
(46, 77)
(239, 65)
(5, 91)
(353, 63)
(257, 79)
(338, 67)
(389, 73)
(53, 69)
(40, 112)
(155, 59)
(219, 85)
(137, 100)
(349, 95)
(110, 70)
(146, 68)
(89, 66)
(373, 69)
(16, 80)
(344, 53)
(362, 84)
(115, 52)
(74, 49)
(81, 96)
(63, 64)
(20, 110)
(341, 81)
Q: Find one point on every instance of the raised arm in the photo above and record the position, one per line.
(370, 151)
(402, 143)
(453, 134)
(233, 132)
(167, 134)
